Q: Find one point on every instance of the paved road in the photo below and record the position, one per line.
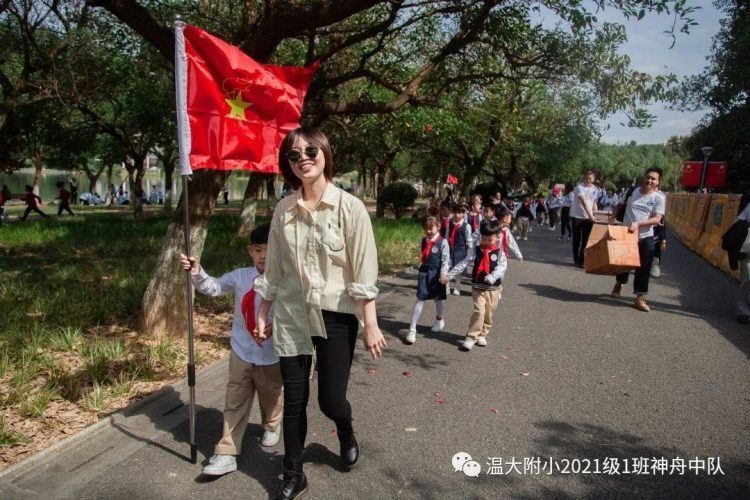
(568, 374)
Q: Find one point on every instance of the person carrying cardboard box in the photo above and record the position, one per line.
(643, 209)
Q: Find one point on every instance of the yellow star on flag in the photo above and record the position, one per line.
(237, 106)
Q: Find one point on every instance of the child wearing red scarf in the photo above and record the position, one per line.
(459, 241)
(252, 366)
(434, 263)
(506, 241)
(490, 264)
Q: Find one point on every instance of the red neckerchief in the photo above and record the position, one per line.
(248, 312)
(505, 240)
(452, 237)
(474, 222)
(484, 266)
(427, 248)
(446, 222)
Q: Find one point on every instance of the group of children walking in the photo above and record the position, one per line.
(482, 239)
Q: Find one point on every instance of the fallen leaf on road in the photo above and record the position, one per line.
(503, 357)
(333, 432)
(411, 429)
(524, 374)
(494, 410)
(440, 401)
(436, 394)
(613, 376)
(407, 373)
(371, 371)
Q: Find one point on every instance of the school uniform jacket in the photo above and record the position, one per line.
(484, 281)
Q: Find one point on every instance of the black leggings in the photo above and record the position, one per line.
(335, 356)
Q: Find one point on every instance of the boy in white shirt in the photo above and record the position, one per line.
(252, 366)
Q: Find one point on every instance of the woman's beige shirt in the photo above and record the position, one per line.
(324, 259)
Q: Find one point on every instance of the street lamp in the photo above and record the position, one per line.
(707, 151)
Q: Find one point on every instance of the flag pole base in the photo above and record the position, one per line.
(193, 454)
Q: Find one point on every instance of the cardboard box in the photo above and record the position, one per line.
(611, 250)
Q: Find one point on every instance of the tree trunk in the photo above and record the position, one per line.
(36, 159)
(168, 173)
(246, 220)
(271, 192)
(362, 180)
(164, 309)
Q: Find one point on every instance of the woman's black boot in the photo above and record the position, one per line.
(294, 482)
(349, 449)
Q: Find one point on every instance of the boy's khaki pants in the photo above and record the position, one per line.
(243, 381)
(485, 303)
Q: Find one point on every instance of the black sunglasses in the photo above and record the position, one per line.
(295, 155)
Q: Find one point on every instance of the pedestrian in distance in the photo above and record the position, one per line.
(64, 196)
(321, 271)
(507, 241)
(5, 196)
(73, 190)
(582, 214)
(553, 207)
(565, 204)
(460, 242)
(31, 201)
(644, 209)
(434, 263)
(490, 264)
(525, 215)
(253, 366)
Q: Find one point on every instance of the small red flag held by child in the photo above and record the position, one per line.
(451, 180)
(236, 110)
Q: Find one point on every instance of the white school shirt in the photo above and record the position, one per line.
(589, 193)
(567, 200)
(642, 207)
(239, 282)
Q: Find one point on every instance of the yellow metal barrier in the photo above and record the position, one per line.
(700, 220)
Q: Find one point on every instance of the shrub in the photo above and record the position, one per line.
(397, 197)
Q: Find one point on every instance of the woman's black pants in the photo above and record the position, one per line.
(335, 356)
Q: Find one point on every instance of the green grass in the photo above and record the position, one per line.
(397, 242)
(66, 281)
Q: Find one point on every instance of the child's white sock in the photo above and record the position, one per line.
(439, 309)
(416, 313)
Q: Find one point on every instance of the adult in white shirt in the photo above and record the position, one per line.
(609, 200)
(645, 209)
(582, 214)
(743, 294)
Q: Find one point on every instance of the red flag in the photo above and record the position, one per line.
(716, 175)
(239, 110)
(451, 180)
(691, 173)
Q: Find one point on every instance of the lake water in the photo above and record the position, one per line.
(18, 180)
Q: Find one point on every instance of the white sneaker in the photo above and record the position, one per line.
(411, 337)
(655, 269)
(270, 438)
(467, 344)
(481, 341)
(526, 237)
(456, 291)
(218, 465)
(438, 326)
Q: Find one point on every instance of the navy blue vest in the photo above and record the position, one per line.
(458, 250)
(478, 278)
(435, 256)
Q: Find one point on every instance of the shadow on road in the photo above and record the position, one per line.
(564, 440)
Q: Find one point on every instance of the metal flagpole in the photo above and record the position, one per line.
(183, 139)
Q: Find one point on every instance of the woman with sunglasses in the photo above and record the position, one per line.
(321, 271)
